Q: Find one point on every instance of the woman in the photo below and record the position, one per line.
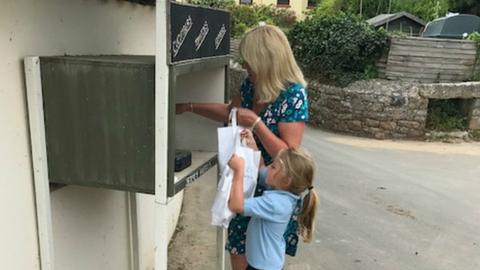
(273, 103)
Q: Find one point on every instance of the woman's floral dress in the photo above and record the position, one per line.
(290, 106)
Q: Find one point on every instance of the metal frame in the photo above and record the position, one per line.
(175, 70)
(39, 160)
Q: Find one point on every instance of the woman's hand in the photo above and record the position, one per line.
(182, 107)
(236, 163)
(246, 117)
(247, 136)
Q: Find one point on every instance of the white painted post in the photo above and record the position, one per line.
(39, 160)
(131, 199)
(220, 248)
(161, 136)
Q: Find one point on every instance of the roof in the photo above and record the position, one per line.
(384, 18)
(452, 26)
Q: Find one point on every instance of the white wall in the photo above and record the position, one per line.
(90, 229)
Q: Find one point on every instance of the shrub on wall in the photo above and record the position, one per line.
(475, 36)
(245, 17)
(337, 48)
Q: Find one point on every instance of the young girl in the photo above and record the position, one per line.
(288, 177)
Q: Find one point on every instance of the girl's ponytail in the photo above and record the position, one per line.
(299, 167)
(306, 218)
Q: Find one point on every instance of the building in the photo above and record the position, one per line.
(299, 6)
(399, 22)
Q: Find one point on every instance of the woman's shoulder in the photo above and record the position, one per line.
(295, 90)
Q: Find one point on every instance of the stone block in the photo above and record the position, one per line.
(372, 122)
(388, 125)
(409, 124)
(379, 135)
(474, 123)
(355, 125)
(415, 133)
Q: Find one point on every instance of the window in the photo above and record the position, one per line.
(245, 2)
(283, 2)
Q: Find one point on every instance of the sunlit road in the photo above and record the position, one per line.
(393, 205)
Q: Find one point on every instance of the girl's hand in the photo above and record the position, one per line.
(236, 163)
(247, 136)
(182, 107)
(246, 117)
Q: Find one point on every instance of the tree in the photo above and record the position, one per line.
(425, 9)
(465, 6)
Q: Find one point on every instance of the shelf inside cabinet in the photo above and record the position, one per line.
(202, 161)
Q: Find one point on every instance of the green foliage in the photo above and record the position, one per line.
(465, 6)
(225, 4)
(245, 17)
(475, 36)
(337, 48)
(370, 72)
(475, 77)
(425, 9)
(446, 115)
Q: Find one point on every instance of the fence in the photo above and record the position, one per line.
(430, 60)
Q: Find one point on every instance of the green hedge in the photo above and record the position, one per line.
(245, 17)
(337, 49)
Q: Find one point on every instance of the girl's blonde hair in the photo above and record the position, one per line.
(267, 52)
(298, 166)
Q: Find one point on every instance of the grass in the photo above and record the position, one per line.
(446, 115)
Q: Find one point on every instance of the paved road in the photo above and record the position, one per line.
(384, 205)
(394, 205)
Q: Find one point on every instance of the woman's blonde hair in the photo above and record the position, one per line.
(298, 166)
(268, 54)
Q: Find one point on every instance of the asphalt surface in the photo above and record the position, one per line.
(384, 205)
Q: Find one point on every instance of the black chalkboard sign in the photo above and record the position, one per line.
(197, 32)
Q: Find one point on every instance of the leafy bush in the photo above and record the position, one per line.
(446, 115)
(337, 48)
(245, 17)
(475, 36)
(475, 77)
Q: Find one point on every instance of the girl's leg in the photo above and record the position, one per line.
(239, 262)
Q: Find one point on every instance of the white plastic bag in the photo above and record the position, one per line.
(229, 143)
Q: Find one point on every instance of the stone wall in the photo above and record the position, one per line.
(475, 115)
(375, 108)
(235, 77)
(379, 108)
(465, 90)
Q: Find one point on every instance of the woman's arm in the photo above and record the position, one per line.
(214, 111)
(290, 133)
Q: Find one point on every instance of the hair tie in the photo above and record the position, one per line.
(310, 187)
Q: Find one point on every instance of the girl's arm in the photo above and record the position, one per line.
(236, 193)
(214, 111)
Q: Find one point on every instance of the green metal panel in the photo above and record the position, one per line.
(452, 27)
(99, 120)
